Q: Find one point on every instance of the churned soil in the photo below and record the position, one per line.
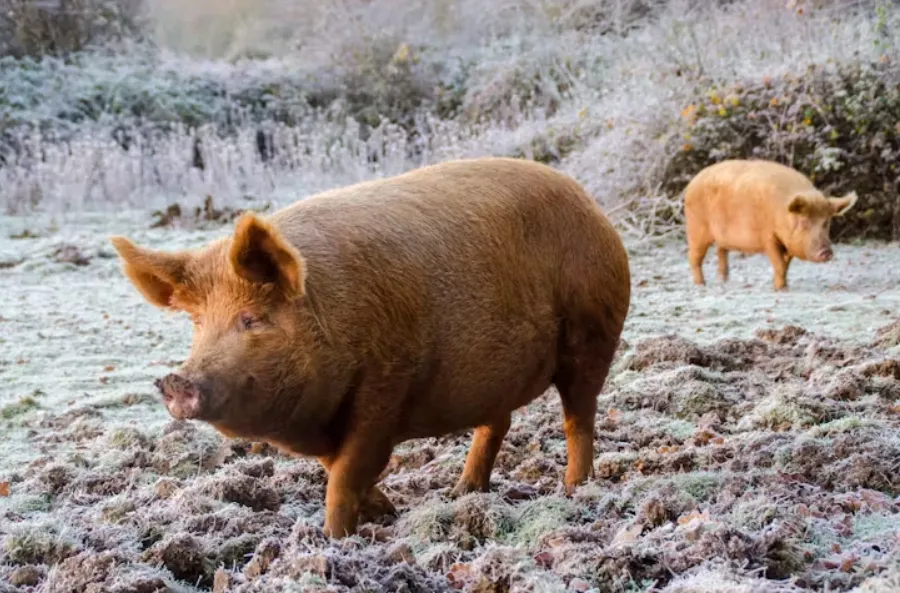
(747, 441)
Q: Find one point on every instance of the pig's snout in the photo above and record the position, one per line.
(825, 254)
(182, 397)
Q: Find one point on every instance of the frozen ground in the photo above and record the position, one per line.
(748, 441)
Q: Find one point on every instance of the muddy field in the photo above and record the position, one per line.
(747, 442)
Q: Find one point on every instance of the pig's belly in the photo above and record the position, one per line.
(453, 404)
(736, 236)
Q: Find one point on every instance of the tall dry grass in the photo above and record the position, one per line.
(594, 86)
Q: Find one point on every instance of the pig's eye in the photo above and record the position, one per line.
(247, 320)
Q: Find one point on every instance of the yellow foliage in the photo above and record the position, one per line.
(401, 55)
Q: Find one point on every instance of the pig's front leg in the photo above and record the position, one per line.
(787, 261)
(363, 453)
(352, 476)
(780, 259)
(375, 504)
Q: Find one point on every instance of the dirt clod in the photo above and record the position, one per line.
(244, 490)
(787, 335)
(85, 572)
(26, 576)
(184, 451)
(184, 556)
(71, 254)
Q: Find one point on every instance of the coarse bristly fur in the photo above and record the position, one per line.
(758, 206)
(439, 300)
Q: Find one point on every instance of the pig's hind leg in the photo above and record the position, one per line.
(583, 366)
(486, 443)
(723, 264)
(698, 244)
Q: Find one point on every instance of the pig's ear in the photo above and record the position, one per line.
(157, 275)
(261, 255)
(798, 205)
(839, 206)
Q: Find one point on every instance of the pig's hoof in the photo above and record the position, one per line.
(376, 506)
(337, 532)
(464, 487)
(572, 485)
(571, 488)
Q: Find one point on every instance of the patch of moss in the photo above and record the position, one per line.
(126, 438)
(680, 430)
(37, 547)
(23, 406)
(539, 517)
(699, 485)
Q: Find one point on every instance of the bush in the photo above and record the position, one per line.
(35, 28)
(379, 78)
(138, 95)
(838, 124)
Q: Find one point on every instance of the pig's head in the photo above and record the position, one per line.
(251, 344)
(809, 224)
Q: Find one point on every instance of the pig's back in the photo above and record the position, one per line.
(464, 270)
(473, 222)
(738, 183)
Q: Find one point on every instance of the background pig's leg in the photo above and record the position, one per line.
(696, 252)
(779, 258)
(699, 241)
(787, 261)
(486, 442)
(723, 264)
(374, 505)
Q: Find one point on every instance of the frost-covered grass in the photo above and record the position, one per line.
(594, 86)
(745, 438)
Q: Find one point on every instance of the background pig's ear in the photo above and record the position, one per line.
(156, 274)
(798, 204)
(261, 255)
(841, 205)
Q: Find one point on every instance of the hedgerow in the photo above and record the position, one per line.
(837, 123)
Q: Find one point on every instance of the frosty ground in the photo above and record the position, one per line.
(747, 441)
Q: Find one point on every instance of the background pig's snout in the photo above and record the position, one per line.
(826, 254)
(181, 396)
